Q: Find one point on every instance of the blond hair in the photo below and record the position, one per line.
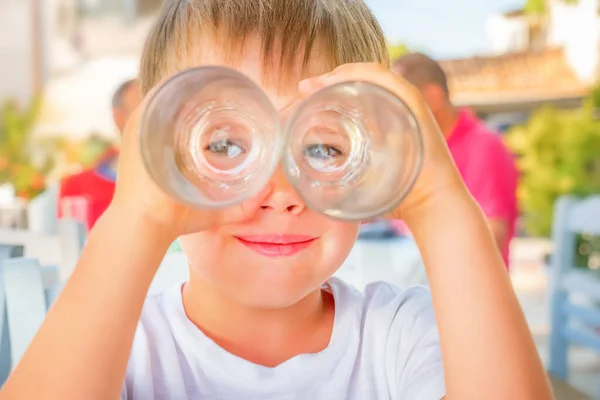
(346, 32)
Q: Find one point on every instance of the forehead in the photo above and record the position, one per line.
(279, 82)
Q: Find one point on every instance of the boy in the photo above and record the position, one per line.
(261, 317)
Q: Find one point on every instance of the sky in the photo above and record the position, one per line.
(441, 28)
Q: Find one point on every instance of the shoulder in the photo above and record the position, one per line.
(409, 301)
(383, 304)
(161, 318)
(76, 178)
(160, 311)
(487, 143)
(399, 339)
(412, 308)
(79, 180)
(488, 160)
(156, 364)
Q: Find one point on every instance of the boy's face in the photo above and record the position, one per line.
(286, 251)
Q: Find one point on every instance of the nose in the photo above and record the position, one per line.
(283, 198)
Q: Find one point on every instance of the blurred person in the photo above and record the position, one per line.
(484, 162)
(87, 195)
(125, 100)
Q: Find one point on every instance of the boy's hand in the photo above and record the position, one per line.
(137, 196)
(438, 177)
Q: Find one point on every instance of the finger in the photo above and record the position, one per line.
(309, 86)
(366, 72)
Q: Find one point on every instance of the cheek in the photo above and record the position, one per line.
(337, 243)
(204, 248)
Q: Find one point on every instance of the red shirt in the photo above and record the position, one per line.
(95, 189)
(488, 169)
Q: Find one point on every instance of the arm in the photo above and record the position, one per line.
(486, 347)
(81, 350)
(500, 231)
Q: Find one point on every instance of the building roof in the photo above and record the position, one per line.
(519, 12)
(513, 78)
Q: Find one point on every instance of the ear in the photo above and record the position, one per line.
(435, 97)
(119, 118)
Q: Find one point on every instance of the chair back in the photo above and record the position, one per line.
(575, 291)
(61, 249)
(42, 212)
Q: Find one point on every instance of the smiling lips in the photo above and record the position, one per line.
(277, 245)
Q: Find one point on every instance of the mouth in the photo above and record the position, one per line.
(277, 245)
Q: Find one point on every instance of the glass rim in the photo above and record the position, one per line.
(289, 162)
(156, 99)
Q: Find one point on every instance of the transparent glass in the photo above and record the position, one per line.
(353, 151)
(210, 137)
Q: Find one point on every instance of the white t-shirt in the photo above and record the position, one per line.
(384, 345)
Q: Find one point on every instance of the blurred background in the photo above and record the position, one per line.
(528, 69)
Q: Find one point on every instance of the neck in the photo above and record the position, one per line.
(263, 336)
(447, 119)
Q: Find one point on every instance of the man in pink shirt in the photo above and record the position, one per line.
(486, 165)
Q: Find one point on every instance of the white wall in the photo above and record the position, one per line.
(16, 50)
(577, 28)
(506, 35)
(59, 30)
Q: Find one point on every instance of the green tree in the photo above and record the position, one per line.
(535, 7)
(18, 162)
(558, 155)
(397, 50)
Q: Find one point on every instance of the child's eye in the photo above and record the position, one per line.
(322, 152)
(225, 148)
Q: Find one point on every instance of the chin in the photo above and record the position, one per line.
(269, 284)
(273, 298)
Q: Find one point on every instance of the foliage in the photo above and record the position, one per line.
(540, 7)
(28, 163)
(594, 97)
(21, 163)
(535, 7)
(397, 50)
(558, 154)
(85, 153)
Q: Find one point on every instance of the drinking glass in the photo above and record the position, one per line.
(353, 151)
(210, 137)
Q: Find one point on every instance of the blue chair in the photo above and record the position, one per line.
(60, 249)
(6, 252)
(26, 292)
(573, 322)
(42, 216)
